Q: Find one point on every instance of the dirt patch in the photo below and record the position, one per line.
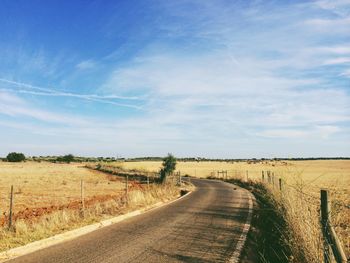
(33, 213)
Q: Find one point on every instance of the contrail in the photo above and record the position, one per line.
(39, 91)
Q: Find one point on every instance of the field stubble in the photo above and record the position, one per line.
(47, 199)
(302, 182)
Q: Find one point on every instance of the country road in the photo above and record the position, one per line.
(205, 226)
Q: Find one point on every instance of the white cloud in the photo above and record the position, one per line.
(14, 106)
(336, 61)
(339, 50)
(194, 91)
(339, 7)
(242, 80)
(346, 73)
(318, 131)
(329, 26)
(86, 64)
(23, 88)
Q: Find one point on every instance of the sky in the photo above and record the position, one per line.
(201, 78)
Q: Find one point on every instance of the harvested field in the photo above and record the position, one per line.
(47, 199)
(45, 187)
(302, 180)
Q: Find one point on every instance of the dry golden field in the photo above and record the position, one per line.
(42, 185)
(47, 199)
(312, 175)
(302, 183)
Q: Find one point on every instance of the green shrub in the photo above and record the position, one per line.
(65, 159)
(15, 157)
(169, 166)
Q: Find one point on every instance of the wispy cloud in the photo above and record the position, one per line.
(335, 61)
(243, 87)
(40, 91)
(14, 106)
(320, 131)
(346, 73)
(339, 50)
(237, 79)
(86, 64)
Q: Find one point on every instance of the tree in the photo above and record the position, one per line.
(66, 159)
(169, 165)
(15, 157)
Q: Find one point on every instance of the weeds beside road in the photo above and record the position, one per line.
(286, 226)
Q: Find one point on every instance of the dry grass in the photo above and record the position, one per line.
(45, 184)
(47, 199)
(301, 196)
(60, 221)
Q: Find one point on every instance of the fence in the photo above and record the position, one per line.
(332, 248)
(28, 200)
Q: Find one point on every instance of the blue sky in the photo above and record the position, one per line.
(223, 79)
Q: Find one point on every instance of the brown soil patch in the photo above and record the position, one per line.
(30, 214)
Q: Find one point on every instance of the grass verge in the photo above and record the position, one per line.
(277, 233)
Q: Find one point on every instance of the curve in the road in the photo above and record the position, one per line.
(206, 226)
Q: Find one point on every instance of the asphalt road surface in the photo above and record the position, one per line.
(204, 226)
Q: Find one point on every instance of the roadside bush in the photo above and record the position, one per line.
(15, 157)
(169, 166)
(65, 159)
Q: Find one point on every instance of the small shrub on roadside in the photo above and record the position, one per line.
(169, 166)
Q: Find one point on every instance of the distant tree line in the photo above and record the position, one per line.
(19, 157)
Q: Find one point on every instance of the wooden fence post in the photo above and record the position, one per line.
(11, 207)
(329, 235)
(127, 188)
(82, 196)
(280, 183)
(325, 207)
(147, 180)
(246, 172)
(262, 176)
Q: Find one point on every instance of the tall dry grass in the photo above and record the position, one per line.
(302, 216)
(300, 211)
